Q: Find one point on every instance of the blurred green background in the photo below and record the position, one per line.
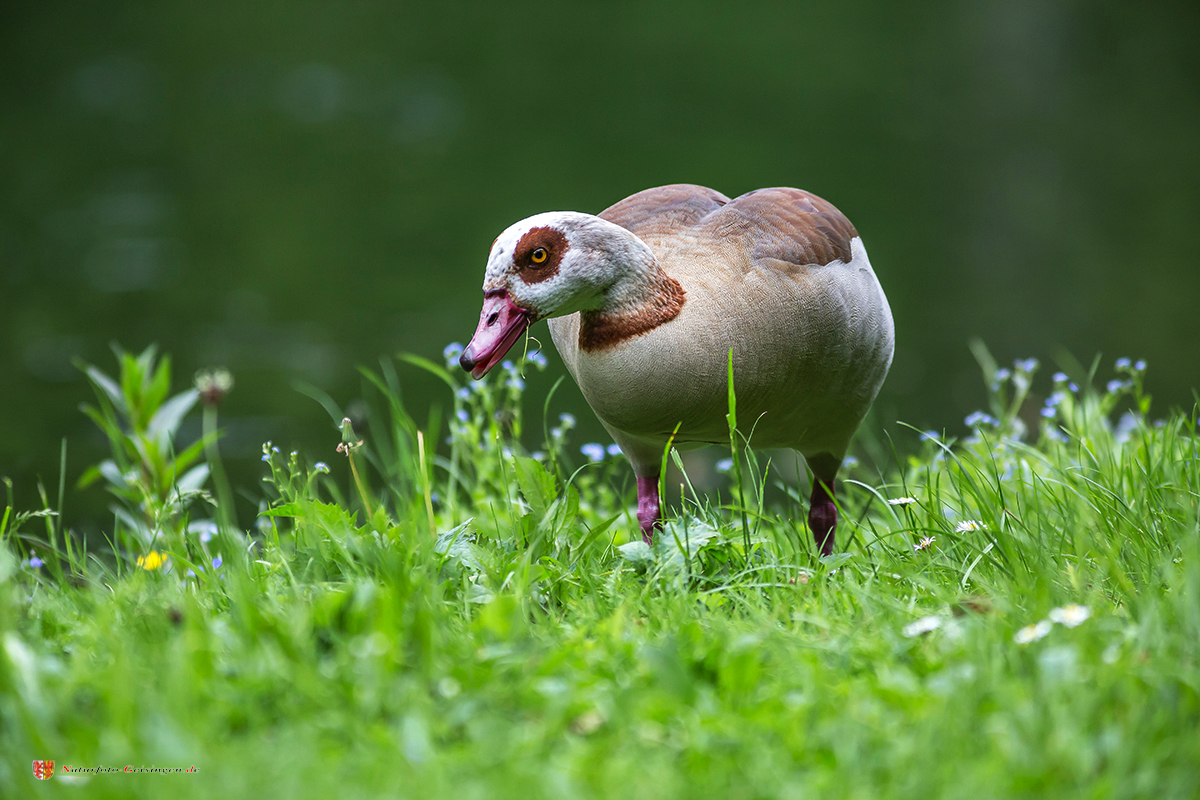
(291, 190)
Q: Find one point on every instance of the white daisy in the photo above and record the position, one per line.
(902, 501)
(968, 525)
(1070, 615)
(1031, 633)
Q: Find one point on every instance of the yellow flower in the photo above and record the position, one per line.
(152, 560)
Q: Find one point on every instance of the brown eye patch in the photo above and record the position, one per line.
(539, 253)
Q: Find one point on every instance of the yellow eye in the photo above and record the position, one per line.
(539, 256)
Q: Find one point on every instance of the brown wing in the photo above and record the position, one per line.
(790, 225)
(664, 209)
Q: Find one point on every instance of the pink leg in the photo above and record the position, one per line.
(822, 511)
(822, 517)
(649, 515)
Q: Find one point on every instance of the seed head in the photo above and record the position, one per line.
(213, 385)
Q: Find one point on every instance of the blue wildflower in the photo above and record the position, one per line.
(594, 451)
(515, 382)
(321, 466)
(463, 394)
(1114, 386)
(929, 435)
(452, 353)
(1140, 365)
(217, 562)
(1060, 377)
(1002, 375)
(1123, 363)
(1049, 412)
(508, 366)
(266, 457)
(1026, 364)
(538, 358)
(980, 418)
(566, 420)
(36, 562)
(207, 529)
(614, 449)
(1056, 398)
(462, 415)
(1073, 387)
(1126, 425)
(724, 465)
(849, 461)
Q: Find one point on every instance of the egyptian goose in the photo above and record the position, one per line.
(646, 300)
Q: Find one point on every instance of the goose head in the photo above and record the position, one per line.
(551, 265)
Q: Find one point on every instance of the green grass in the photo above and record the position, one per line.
(529, 646)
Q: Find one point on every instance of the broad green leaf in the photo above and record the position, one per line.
(479, 594)
(458, 544)
(131, 382)
(679, 541)
(193, 479)
(637, 553)
(159, 385)
(570, 505)
(112, 473)
(107, 385)
(285, 510)
(536, 484)
(89, 476)
(165, 422)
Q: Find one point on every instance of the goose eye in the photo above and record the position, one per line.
(539, 256)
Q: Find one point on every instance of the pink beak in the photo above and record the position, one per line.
(501, 323)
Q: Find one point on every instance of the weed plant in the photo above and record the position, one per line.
(434, 611)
